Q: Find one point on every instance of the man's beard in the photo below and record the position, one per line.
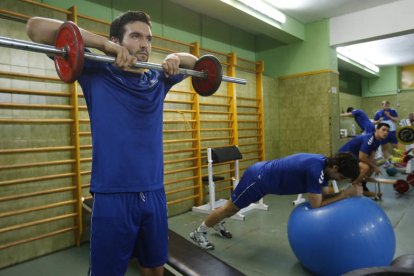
(139, 56)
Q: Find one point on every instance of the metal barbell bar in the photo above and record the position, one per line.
(157, 67)
(63, 52)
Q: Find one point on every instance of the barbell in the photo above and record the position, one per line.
(399, 185)
(69, 56)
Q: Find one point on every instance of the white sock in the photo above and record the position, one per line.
(202, 228)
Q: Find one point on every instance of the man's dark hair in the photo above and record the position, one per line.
(347, 164)
(380, 125)
(117, 28)
(350, 109)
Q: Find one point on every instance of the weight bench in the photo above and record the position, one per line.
(186, 258)
(221, 155)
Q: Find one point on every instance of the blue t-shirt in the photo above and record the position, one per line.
(386, 119)
(363, 121)
(126, 113)
(294, 174)
(364, 143)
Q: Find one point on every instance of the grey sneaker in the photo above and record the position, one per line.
(200, 238)
(219, 227)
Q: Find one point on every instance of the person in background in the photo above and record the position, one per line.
(411, 119)
(408, 154)
(295, 174)
(389, 116)
(363, 147)
(361, 119)
(129, 214)
(411, 123)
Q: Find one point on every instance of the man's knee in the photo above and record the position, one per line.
(153, 271)
(230, 208)
(363, 168)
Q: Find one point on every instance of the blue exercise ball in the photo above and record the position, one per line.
(391, 171)
(342, 236)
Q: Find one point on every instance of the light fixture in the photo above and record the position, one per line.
(350, 57)
(260, 10)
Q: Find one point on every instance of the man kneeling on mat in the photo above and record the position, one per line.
(295, 174)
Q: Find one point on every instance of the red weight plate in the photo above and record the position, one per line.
(70, 65)
(211, 66)
(410, 179)
(401, 186)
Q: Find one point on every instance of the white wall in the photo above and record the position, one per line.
(379, 22)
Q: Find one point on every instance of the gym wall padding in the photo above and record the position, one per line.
(308, 111)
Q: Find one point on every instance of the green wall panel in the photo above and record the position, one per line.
(350, 82)
(215, 35)
(96, 9)
(243, 44)
(294, 27)
(186, 29)
(312, 54)
(154, 10)
(387, 83)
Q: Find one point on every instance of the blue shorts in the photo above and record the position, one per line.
(248, 190)
(391, 138)
(127, 225)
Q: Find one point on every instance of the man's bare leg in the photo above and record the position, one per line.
(154, 271)
(199, 236)
(225, 211)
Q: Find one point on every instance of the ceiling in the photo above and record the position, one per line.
(398, 50)
(307, 11)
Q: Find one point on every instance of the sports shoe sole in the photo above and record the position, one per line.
(224, 234)
(192, 237)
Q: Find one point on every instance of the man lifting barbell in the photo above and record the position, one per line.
(129, 216)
